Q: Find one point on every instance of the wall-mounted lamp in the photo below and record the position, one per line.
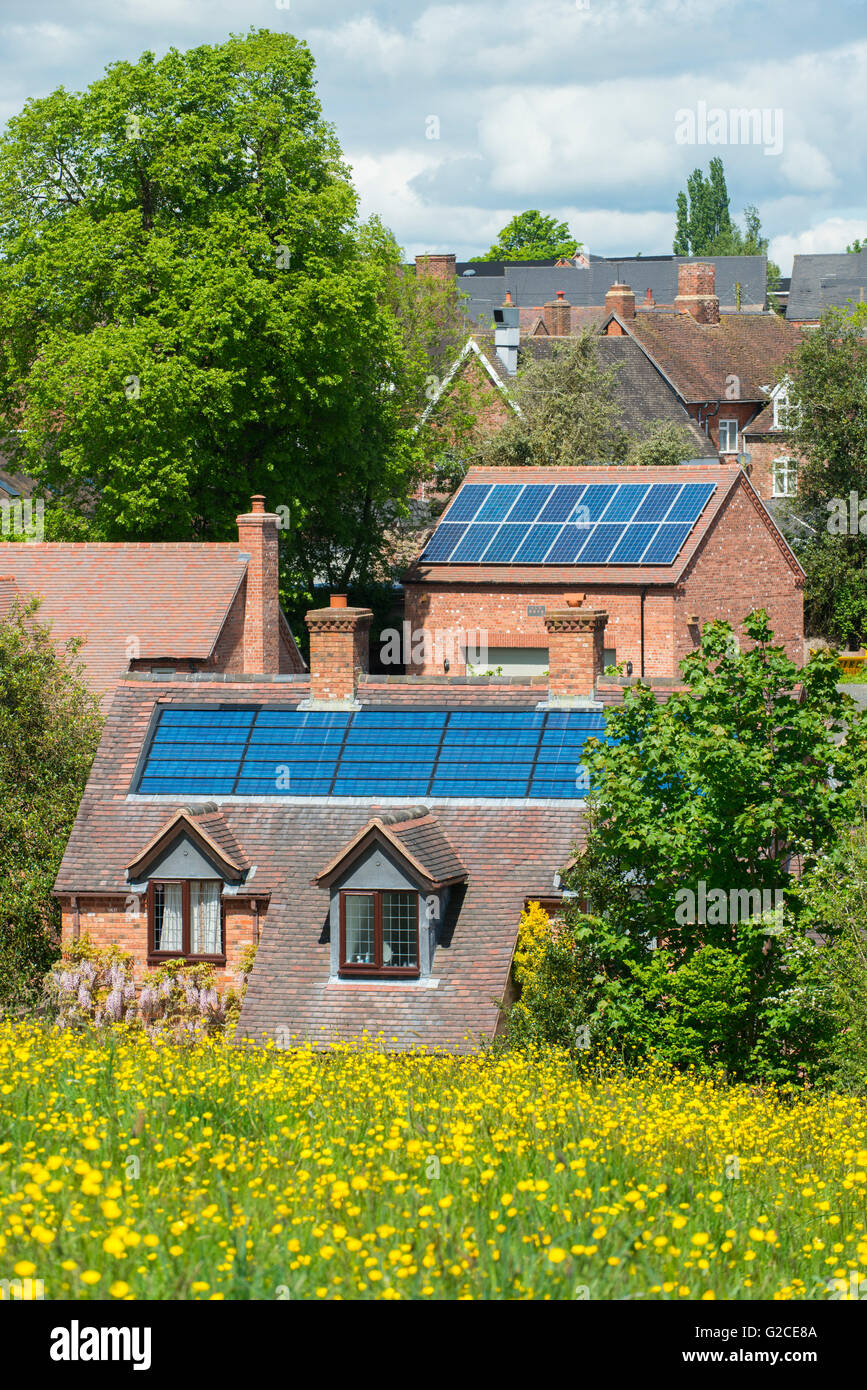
(693, 620)
(446, 665)
(629, 668)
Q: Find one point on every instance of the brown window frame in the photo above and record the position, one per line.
(159, 957)
(409, 972)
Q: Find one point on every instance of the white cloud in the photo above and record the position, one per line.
(833, 234)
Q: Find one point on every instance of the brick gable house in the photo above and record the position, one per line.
(722, 366)
(167, 606)
(490, 608)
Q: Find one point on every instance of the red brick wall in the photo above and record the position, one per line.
(763, 452)
(339, 650)
(742, 411)
(106, 922)
(738, 567)
(501, 611)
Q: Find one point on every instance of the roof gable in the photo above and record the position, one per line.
(417, 840)
(207, 829)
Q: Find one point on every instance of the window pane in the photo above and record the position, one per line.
(399, 929)
(359, 929)
(168, 917)
(205, 925)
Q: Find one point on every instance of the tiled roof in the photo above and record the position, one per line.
(507, 858)
(416, 836)
(727, 478)
(822, 280)
(763, 423)
(530, 286)
(642, 394)
(172, 597)
(700, 359)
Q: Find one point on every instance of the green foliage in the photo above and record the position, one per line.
(833, 898)
(49, 729)
(722, 785)
(569, 414)
(189, 312)
(828, 432)
(704, 226)
(857, 246)
(662, 444)
(531, 236)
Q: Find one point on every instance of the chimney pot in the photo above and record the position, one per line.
(338, 600)
(258, 502)
(576, 641)
(339, 650)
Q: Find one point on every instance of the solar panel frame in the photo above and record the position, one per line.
(596, 499)
(565, 549)
(460, 753)
(467, 502)
(504, 544)
(626, 502)
(536, 544)
(443, 541)
(476, 542)
(666, 544)
(530, 503)
(657, 503)
(498, 503)
(561, 503)
(599, 544)
(633, 543)
(690, 503)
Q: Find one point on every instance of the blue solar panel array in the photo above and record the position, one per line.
(568, 523)
(369, 753)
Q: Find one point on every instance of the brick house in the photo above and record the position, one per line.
(822, 281)
(684, 545)
(376, 837)
(161, 606)
(722, 366)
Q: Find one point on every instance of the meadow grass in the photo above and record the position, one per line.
(138, 1169)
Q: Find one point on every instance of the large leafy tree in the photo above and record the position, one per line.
(188, 312)
(49, 729)
(828, 433)
(718, 793)
(531, 236)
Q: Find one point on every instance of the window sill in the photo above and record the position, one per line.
(382, 981)
(153, 960)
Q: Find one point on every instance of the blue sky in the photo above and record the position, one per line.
(571, 106)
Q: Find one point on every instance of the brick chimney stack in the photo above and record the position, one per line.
(257, 536)
(339, 650)
(576, 642)
(437, 267)
(620, 300)
(556, 316)
(696, 292)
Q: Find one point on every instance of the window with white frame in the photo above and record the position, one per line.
(728, 436)
(787, 414)
(785, 481)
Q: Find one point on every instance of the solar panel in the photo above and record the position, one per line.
(443, 541)
(625, 503)
(599, 545)
(561, 503)
(596, 498)
(666, 544)
(632, 545)
(690, 503)
(467, 502)
(657, 503)
(565, 549)
(531, 502)
(497, 504)
(504, 544)
(372, 753)
(536, 544)
(474, 543)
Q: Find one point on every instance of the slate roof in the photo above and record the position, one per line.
(530, 286)
(699, 358)
(424, 839)
(726, 476)
(507, 859)
(819, 281)
(642, 393)
(173, 597)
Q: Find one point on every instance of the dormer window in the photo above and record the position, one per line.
(378, 933)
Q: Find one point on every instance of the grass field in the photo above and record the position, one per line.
(134, 1170)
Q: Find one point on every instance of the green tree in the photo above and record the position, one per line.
(704, 226)
(49, 729)
(726, 784)
(662, 444)
(189, 313)
(828, 433)
(569, 413)
(857, 246)
(531, 236)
